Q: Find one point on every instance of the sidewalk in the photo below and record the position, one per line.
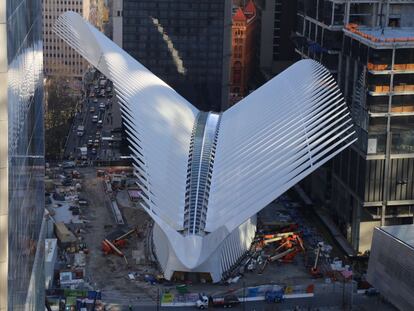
(327, 221)
(333, 229)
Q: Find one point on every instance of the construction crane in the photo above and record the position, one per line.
(114, 245)
(275, 237)
(291, 245)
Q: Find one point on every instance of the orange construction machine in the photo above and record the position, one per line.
(113, 245)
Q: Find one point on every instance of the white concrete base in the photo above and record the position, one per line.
(214, 253)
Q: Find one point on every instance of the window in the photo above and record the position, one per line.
(237, 72)
(394, 22)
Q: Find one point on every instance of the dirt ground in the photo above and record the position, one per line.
(110, 273)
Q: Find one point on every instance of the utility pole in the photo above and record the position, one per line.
(158, 298)
(244, 296)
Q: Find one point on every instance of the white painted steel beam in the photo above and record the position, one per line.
(263, 145)
(158, 120)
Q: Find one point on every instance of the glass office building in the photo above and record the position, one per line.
(184, 42)
(369, 48)
(21, 156)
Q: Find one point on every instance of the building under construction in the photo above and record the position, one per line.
(369, 47)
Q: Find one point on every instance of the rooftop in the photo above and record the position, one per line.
(378, 37)
(246, 14)
(404, 233)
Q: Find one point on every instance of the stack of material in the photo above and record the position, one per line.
(65, 237)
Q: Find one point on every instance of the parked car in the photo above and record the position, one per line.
(92, 109)
(83, 202)
(67, 182)
(372, 292)
(68, 164)
(102, 106)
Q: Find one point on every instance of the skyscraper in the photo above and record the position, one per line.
(278, 22)
(184, 42)
(369, 47)
(243, 50)
(60, 59)
(21, 156)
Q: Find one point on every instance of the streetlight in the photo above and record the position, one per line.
(244, 296)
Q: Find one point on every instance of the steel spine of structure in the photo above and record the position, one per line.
(257, 150)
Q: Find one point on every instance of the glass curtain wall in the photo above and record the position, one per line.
(25, 157)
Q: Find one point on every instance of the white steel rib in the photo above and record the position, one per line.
(205, 175)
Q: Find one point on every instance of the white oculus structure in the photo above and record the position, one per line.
(205, 175)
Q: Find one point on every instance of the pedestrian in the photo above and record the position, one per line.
(130, 307)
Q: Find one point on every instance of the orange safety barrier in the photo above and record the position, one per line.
(402, 108)
(399, 88)
(372, 66)
(354, 28)
(381, 88)
(382, 67)
(400, 66)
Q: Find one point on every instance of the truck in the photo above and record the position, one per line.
(80, 130)
(274, 296)
(84, 152)
(227, 301)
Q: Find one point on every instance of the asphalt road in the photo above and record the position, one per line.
(111, 118)
(323, 301)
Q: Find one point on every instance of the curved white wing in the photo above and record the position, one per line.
(157, 118)
(273, 138)
(230, 166)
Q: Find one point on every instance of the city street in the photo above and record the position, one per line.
(100, 115)
(323, 301)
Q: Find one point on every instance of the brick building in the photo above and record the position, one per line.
(243, 50)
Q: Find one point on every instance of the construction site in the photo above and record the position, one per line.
(99, 251)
